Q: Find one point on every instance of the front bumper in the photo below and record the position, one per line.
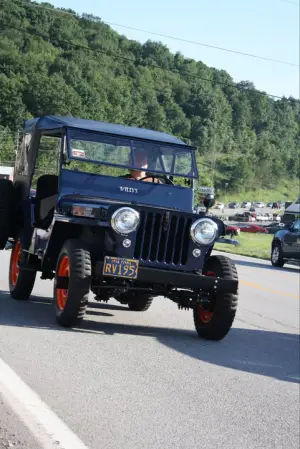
(178, 279)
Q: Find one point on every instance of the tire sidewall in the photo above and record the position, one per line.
(26, 279)
(78, 289)
(279, 262)
(6, 211)
(223, 304)
(64, 252)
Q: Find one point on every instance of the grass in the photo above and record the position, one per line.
(252, 245)
(287, 191)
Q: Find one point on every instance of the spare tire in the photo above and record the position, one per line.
(6, 211)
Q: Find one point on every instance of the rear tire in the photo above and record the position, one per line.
(74, 262)
(6, 211)
(277, 256)
(21, 281)
(137, 302)
(215, 323)
(140, 304)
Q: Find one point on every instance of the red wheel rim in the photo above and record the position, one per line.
(15, 261)
(204, 315)
(63, 271)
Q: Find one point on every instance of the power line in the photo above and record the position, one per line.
(125, 58)
(207, 45)
(214, 47)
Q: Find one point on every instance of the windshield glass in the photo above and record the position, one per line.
(132, 154)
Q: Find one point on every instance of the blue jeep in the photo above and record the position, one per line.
(109, 209)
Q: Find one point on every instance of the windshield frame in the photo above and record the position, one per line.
(181, 148)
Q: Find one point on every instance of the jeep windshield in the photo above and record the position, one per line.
(126, 153)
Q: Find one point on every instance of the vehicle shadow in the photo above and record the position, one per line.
(99, 305)
(255, 351)
(252, 264)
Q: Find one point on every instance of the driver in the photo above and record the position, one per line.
(141, 161)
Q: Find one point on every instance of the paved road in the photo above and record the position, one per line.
(144, 380)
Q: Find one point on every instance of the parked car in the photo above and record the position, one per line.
(246, 204)
(252, 228)
(286, 245)
(260, 204)
(232, 230)
(131, 237)
(269, 204)
(219, 206)
(244, 217)
(233, 205)
(262, 217)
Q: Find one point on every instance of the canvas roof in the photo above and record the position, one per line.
(52, 122)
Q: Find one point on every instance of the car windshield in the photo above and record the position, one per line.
(132, 154)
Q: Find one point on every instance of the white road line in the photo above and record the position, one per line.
(45, 426)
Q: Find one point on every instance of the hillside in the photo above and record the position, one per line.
(53, 63)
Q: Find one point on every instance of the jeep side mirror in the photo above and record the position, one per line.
(209, 201)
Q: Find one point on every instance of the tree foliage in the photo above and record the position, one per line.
(52, 63)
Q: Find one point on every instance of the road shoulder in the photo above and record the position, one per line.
(13, 433)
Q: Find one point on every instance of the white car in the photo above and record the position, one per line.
(260, 204)
(219, 206)
(262, 217)
(246, 204)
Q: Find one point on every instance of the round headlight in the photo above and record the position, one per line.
(204, 231)
(125, 220)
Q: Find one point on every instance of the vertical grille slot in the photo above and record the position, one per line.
(163, 237)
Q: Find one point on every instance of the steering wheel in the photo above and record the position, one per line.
(167, 180)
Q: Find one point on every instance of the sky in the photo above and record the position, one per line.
(268, 28)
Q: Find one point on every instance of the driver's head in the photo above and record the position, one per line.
(140, 159)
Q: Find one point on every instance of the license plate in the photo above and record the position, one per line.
(121, 268)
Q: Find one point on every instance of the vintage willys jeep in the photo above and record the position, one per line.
(109, 209)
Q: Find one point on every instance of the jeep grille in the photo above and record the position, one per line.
(163, 237)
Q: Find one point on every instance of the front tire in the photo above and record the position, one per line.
(21, 281)
(74, 264)
(277, 256)
(215, 323)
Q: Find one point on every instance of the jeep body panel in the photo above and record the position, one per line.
(101, 187)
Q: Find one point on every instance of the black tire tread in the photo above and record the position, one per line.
(6, 210)
(280, 262)
(140, 303)
(226, 303)
(79, 286)
(25, 283)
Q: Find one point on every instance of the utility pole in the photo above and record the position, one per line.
(17, 142)
(214, 159)
(226, 185)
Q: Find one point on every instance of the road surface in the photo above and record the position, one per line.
(145, 380)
